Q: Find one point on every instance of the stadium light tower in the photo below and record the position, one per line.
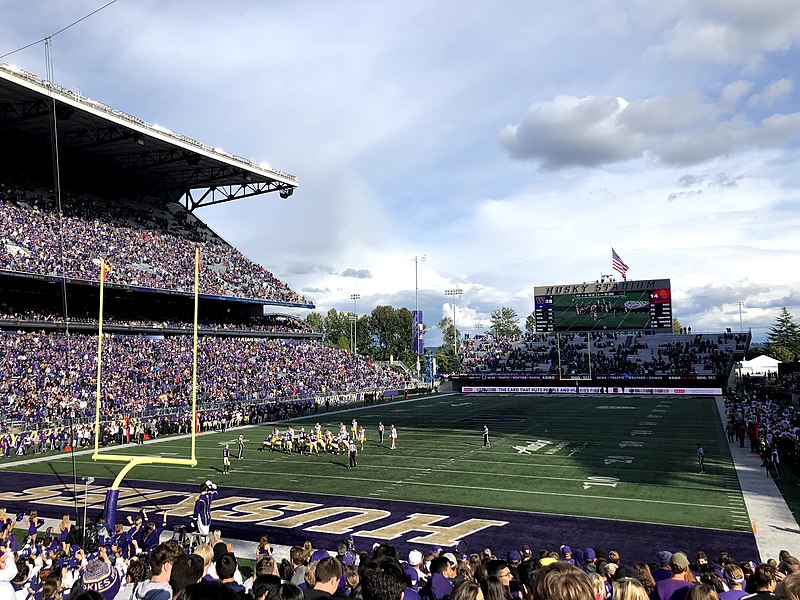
(740, 304)
(355, 298)
(455, 292)
(415, 325)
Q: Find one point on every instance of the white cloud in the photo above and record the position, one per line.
(728, 32)
(773, 92)
(687, 129)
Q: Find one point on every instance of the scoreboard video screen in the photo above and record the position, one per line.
(615, 305)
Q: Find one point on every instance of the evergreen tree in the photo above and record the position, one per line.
(676, 325)
(783, 339)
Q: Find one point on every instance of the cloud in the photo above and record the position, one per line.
(313, 290)
(774, 91)
(356, 273)
(306, 268)
(595, 131)
(728, 32)
(733, 92)
(679, 195)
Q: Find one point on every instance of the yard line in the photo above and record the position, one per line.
(392, 483)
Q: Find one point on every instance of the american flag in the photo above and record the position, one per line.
(618, 264)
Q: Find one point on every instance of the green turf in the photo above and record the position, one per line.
(566, 317)
(440, 458)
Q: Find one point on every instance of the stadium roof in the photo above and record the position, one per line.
(118, 149)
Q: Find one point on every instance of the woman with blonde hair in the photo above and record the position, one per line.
(206, 552)
(64, 529)
(311, 575)
(598, 585)
(629, 588)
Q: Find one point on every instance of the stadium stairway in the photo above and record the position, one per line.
(775, 527)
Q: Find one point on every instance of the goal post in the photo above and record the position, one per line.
(132, 461)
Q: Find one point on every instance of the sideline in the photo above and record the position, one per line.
(775, 527)
(51, 455)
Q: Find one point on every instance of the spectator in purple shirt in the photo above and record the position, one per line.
(676, 587)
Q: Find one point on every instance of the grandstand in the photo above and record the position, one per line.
(129, 194)
(618, 359)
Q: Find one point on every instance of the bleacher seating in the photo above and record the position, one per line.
(144, 245)
(613, 354)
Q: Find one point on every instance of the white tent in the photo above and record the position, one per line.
(759, 366)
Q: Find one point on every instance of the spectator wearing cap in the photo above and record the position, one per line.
(413, 570)
(676, 587)
(161, 559)
(525, 552)
(102, 577)
(589, 560)
(327, 574)
(734, 578)
(566, 553)
(764, 580)
(662, 571)
(457, 577)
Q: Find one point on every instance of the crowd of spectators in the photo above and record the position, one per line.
(144, 245)
(611, 354)
(45, 376)
(137, 430)
(130, 563)
(265, 324)
(763, 412)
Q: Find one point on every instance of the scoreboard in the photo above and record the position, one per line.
(615, 305)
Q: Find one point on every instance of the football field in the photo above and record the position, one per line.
(618, 457)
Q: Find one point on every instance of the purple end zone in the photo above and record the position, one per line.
(246, 514)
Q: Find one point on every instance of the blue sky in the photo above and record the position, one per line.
(511, 143)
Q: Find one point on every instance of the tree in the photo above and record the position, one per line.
(391, 334)
(337, 329)
(676, 325)
(530, 323)
(781, 353)
(445, 356)
(314, 320)
(504, 322)
(783, 339)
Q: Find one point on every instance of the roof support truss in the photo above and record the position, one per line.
(228, 193)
